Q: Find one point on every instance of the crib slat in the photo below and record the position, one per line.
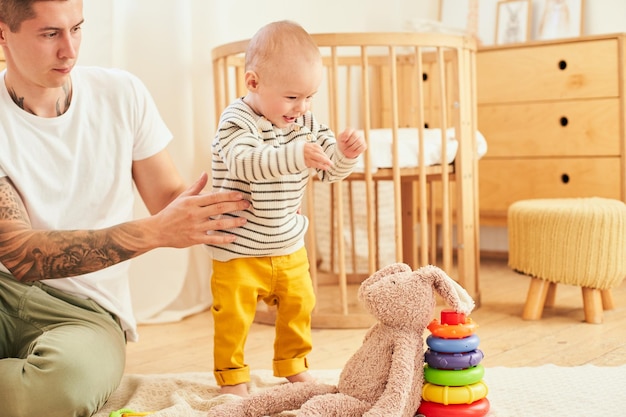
(446, 230)
(422, 183)
(372, 234)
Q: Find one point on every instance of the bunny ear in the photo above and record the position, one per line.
(465, 302)
(454, 294)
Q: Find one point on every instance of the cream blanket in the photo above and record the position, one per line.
(548, 391)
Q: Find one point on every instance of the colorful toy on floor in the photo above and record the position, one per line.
(453, 374)
(125, 412)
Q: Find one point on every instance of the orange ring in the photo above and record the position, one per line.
(452, 331)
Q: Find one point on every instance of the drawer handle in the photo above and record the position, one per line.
(563, 121)
(564, 178)
(424, 76)
(562, 64)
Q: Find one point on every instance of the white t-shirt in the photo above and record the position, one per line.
(74, 171)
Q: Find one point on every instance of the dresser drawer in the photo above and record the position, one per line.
(548, 72)
(504, 181)
(565, 128)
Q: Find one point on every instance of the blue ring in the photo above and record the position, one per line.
(453, 345)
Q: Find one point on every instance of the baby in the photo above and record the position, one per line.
(266, 144)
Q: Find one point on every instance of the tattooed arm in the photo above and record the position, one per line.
(32, 255)
(179, 221)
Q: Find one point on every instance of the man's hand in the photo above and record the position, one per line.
(190, 218)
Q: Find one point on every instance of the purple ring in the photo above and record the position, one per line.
(456, 361)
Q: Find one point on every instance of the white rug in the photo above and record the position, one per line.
(546, 391)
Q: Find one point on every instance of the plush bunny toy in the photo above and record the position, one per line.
(385, 376)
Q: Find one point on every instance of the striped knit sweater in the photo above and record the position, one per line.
(266, 164)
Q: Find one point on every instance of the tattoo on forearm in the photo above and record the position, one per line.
(68, 254)
(32, 255)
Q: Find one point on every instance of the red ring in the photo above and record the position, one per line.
(478, 408)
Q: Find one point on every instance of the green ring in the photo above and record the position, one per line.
(118, 413)
(454, 378)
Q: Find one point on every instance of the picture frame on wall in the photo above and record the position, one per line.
(513, 21)
(557, 19)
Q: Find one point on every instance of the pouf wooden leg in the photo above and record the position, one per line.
(592, 303)
(551, 296)
(607, 300)
(536, 298)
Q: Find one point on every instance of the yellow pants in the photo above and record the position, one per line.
(237, 286)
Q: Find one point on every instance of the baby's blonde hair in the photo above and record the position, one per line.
(275, 43)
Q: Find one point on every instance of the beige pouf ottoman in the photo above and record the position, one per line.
(573, 241)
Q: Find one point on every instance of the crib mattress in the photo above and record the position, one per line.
(408, 148)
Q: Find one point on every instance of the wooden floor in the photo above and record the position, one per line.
(561, 337)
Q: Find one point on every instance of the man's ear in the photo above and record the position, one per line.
(251, 80)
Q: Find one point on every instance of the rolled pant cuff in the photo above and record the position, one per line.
(232, 376)
(290, 367)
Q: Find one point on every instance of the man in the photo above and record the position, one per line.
(74, 141)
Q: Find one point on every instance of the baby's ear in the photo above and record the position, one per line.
(251, 80)
(454, 294)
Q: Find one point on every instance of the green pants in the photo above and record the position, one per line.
(60, 355)
(237, 286)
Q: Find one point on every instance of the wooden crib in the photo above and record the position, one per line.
(403, 203)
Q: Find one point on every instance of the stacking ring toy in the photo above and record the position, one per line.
(465, 394)
(453, 345)
(452, 331)
(478, 408)
(454, 378)
(463, 360)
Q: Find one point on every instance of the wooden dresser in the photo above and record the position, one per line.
(2, 63)
(553, 115)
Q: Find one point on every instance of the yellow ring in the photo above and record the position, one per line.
(445, 395)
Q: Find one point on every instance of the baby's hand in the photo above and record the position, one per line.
(351, 143)
(314, 157)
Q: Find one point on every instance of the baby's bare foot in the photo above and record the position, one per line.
(301, 377)
(239, 389)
